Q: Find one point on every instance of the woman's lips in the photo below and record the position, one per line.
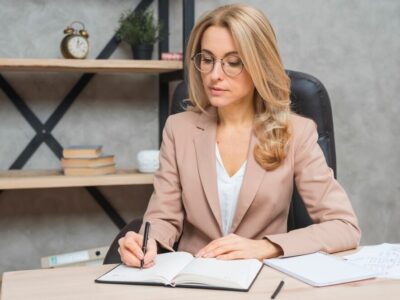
(216, 91)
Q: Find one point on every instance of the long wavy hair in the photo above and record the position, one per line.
(255, 42)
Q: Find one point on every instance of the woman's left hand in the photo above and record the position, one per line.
(233, 246)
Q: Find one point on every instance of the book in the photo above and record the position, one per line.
(102, 160)
(86, 257)
(82, 151)
(320, 269)
(88, 171)
(181, 269)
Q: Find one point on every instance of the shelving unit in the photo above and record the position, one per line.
(22, 179)
(167, 71)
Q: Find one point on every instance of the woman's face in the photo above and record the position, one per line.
(224, 90)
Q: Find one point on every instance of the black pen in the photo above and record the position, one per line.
(145, 238)
(278, 289)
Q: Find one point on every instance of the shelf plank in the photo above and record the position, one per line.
(89, 65)
(24, 179)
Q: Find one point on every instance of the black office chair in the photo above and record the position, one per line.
(310, 99)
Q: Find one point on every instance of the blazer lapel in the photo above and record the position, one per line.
(204, 142)
(252, 179)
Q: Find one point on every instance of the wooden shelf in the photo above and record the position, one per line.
(89, 65)
(21, 179)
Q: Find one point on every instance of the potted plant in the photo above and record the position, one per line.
(140, 30)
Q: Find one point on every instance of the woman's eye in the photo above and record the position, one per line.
(207, 60)
(236, 63)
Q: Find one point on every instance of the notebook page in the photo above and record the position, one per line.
(166, 267)
(215, 272)
(319, 269)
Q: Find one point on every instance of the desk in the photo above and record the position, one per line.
(78, 283)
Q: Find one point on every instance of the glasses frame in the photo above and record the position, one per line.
(215, 60)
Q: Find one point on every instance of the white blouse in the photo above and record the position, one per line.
(228, 191)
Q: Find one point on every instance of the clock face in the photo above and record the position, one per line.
(78, 46)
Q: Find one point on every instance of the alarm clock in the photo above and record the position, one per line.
(75, 43)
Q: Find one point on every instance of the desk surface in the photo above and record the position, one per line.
(78, 283)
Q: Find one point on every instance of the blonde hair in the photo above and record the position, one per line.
(256, 44)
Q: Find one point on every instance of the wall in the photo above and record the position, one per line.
(351, 46)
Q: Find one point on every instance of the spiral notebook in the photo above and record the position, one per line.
(320, 269)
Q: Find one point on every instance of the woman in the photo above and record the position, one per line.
(227, 167)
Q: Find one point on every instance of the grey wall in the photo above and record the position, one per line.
(351, 46)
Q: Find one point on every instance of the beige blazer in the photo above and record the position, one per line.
(185, 202)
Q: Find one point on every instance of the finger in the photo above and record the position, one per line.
(133, 246)
(149, 258)
(138, 238)
(231, 255)
(129, 247)
(222, 249)
(149, 265)
(129, 259)
(151, 253)
(230, 238)
(223, 245)
(127, 240)
(210, 246)
(200, 252)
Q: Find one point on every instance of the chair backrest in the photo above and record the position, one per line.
(310, 99)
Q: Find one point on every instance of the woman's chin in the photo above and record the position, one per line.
(219, 101)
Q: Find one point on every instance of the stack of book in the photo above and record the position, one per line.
(87, 161)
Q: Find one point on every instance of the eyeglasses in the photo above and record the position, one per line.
(232, 65)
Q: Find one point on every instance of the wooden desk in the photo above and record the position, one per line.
(78, 283)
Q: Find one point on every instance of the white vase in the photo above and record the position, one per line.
(148, 161)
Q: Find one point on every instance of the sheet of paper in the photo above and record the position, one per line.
(166, 267)
(241, 271)
(383, 259)
(320, 269)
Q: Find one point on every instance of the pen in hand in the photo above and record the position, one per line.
(278, 289)
(145, 239)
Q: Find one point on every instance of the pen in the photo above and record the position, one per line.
(145, 238)
(278, 289)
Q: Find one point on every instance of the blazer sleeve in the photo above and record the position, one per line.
(335, 225)
(165, 211)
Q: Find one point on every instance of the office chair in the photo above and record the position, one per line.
(309, 99)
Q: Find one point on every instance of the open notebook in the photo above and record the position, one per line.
(319, 269)
(181, 269)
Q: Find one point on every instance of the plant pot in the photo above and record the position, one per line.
(142, 51)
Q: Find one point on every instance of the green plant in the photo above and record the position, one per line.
(138, 28)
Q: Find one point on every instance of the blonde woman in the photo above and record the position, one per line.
(227, 167)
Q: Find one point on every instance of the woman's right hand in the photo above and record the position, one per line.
(130, 249)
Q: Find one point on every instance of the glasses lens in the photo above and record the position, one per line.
(203, 62)
(232, 65)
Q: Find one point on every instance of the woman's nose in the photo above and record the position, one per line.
(217, 72)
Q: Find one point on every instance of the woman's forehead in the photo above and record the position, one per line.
(218, 41)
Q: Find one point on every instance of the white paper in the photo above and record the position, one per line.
(166, 267)
(229, 273)
(318, 269)
(383, 259)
